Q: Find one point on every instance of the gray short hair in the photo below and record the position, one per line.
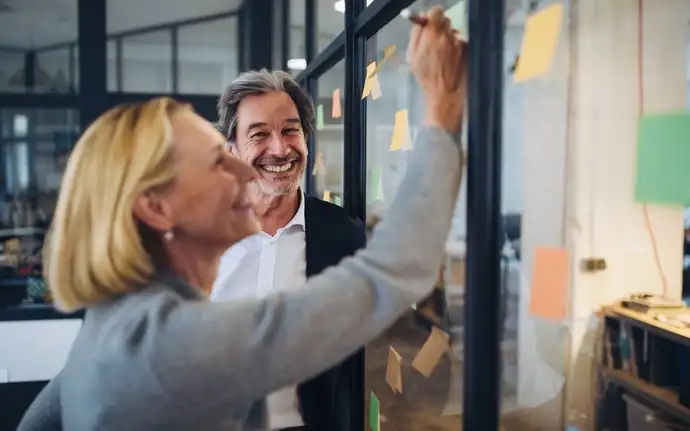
(256, 82)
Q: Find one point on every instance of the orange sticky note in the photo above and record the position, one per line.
(393, 370)
(539, 43)
(550, 276)
(336, 112)
(431, 352)
(326, 196)
(319, 165)
(371, 84)
(401, 139)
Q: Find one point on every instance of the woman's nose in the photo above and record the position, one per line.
(242, 171)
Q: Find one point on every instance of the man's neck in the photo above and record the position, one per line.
(281, 209)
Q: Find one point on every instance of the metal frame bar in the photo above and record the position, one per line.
(175, 58)
(286, 34)
(482, 373)
(93, 86)
(355, 170)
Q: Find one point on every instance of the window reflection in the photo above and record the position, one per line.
(34, 148)
(208, 55)
(436, 402)
(328, 165)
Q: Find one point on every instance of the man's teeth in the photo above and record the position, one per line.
(274, 168)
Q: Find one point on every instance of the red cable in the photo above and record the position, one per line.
(640, 82)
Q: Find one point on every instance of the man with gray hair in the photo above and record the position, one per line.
(266, 118)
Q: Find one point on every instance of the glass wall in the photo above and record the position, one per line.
(147, 63)
(328, 160)
(208, 56)
(34, 146)
(35, 54)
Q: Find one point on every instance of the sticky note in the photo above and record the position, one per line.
(338, 201)
(663, 159)
(371, 84)
(336, 111)
(319, 165)
(456, 15)
(550, 275)
(376, 185)
(4, 376)
(539, 43)
(431, 352)
(319, 117)
(401, 139)
(326, 196)
(388, 51)
(374, 412)
(393, 370)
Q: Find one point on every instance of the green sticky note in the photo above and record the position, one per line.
(376, 185)
(663, 159)
(456, 15)
(338, 201)
(374, 412)
(414, 306)
(319, 117)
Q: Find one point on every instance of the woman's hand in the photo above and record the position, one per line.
(438, 60)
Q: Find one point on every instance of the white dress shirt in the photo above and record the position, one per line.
(257, 266)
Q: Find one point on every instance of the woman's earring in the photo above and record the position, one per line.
(168, 236)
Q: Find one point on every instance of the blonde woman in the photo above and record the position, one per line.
(151, 200)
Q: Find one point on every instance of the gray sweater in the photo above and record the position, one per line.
(165, 358)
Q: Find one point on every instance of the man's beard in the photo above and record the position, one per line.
(282, 188)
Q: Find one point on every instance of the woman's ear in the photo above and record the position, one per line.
(154, 212)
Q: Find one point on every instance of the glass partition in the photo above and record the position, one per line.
(328, 160)
(147, 63)
(208, 54)
(34, 146)
(531, 350)
(35, 40)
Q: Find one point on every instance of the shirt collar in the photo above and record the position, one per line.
(298, 219)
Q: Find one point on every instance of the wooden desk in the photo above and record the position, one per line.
(649, 323)
(659, 378)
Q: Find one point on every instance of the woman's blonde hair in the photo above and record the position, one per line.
(95, 250)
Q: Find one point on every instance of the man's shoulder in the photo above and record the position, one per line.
(333, 212)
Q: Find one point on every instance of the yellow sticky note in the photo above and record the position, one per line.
(401, 139)
(394, 371)
(336, 112)
(550, 276)
(539, 43)
(326, 196)
(388, 51)
(431, 352)
(371, 84)
(319, 165)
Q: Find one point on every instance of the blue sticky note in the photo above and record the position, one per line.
(663, 159)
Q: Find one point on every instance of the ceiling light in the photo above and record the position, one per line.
(339, 6)
(297, 63)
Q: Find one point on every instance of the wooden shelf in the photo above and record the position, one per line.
(660, 398)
